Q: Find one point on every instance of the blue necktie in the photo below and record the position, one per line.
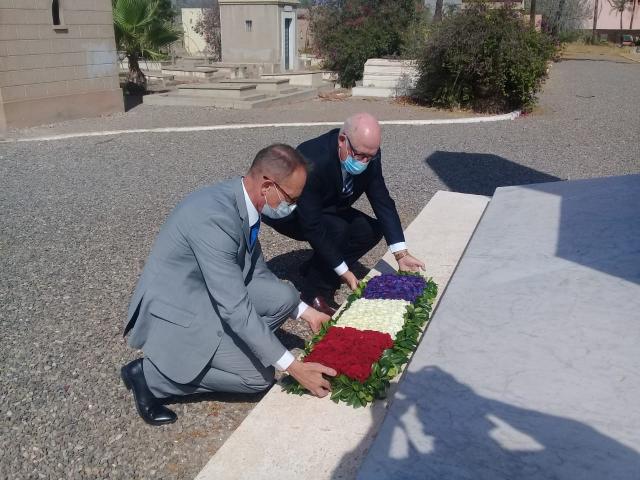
(347, 188)
(253, 236)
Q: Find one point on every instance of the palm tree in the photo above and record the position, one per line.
(140, 32)
(633, 13)
(619, 6)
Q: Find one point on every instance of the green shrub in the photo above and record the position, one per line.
(348, 32)
(485, 59)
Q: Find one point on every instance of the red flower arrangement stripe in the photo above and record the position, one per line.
(350, 351)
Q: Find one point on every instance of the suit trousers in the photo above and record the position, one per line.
(233, 367)
(352, 231)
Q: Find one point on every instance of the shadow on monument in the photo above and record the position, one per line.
(599, 224)
(482, 173)
(501, 441)
(596, 227)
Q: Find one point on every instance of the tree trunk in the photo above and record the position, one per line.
(621, 13)
(437, 15)
(633, 13)
(135, 76)
(595, 22)
(532, 14)
(555, 29)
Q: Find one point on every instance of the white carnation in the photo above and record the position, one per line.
(385, 316)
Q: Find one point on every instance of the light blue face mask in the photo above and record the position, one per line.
(283, 209)
(353, 166)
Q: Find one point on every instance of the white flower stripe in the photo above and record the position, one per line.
(385, 316)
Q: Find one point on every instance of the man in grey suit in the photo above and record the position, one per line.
(206, 306)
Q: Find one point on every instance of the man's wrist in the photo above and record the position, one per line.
(341, 269)
(400, 254)
(285, 361)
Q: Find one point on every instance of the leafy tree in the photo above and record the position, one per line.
(166, 11)
(348, 32)
(560, 17)
(209, 27)
(498, 63)
(141, 32)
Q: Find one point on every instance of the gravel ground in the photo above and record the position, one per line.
(78, 219)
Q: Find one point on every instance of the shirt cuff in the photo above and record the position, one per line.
(285, 361)
(341, 269)
(396, 247)
(302, 307)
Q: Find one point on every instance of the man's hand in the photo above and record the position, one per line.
(315, 319)
(409, 263)
(350, 279)
(309, 375)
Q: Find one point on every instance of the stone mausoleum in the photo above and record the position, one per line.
(261, 32)
(58, 61)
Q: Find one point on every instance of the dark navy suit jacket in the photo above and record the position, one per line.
(323, 194)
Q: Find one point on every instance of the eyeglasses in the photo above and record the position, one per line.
(362, 157)
(291, 200)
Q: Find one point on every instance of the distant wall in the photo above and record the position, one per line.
(50, 72)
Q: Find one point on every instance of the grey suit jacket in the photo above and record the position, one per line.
(194, 280)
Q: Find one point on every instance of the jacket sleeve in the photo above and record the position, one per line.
(310, 218)
(383, 206)
(215, 247)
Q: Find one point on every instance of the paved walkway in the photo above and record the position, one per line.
(78, 218)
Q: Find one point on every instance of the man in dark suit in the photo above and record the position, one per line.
(345, 163)
(206, 306)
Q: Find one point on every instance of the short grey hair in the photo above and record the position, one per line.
(278, 160)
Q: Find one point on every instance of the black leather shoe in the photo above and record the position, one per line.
(149, 407)
(320, 304)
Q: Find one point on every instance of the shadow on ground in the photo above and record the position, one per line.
(482, 173)
(287, 267)
(500, 441)
(132, 101)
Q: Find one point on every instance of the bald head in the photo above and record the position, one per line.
(364, 132)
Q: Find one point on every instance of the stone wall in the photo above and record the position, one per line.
(50, 72)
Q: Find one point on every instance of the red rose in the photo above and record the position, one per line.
(350, 351)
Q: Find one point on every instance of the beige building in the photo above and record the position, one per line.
(260, 31)
(58, 61)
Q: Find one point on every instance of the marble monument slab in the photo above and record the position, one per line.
(529, 368)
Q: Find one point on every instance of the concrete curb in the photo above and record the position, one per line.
(241, 126)
(290, 437)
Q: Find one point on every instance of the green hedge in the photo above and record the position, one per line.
(485, 59)
(347, 33)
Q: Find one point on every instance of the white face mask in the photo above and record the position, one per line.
(283, 209)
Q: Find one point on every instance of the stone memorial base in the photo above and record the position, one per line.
(387, 78)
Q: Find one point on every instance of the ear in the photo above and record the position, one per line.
(265, 186)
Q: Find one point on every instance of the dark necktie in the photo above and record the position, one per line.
(253, 236)
(347, 187)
